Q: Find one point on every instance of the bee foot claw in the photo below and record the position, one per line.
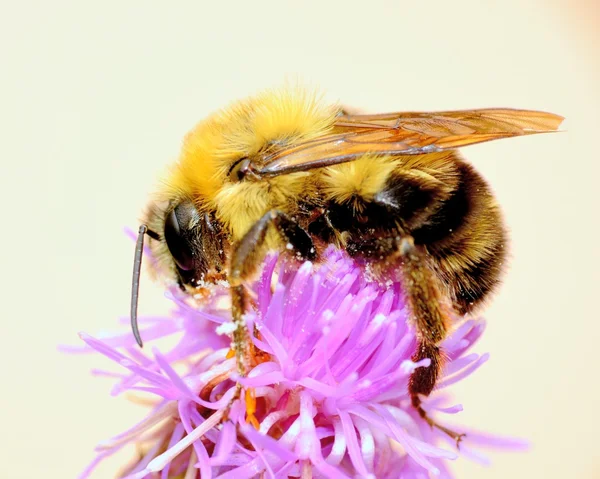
(458, 437)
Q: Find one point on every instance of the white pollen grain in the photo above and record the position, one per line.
(225, 328)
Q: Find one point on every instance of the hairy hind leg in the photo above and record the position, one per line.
(431, 320)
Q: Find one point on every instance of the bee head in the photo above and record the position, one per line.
(195, 242)
(188, 241)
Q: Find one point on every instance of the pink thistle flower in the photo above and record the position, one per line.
(332, 400)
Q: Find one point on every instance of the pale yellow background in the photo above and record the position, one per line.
(95, 97)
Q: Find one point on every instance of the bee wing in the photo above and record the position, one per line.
(407, 133)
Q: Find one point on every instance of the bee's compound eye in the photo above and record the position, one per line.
(177, 234)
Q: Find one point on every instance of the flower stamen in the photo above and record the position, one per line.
(250, 398)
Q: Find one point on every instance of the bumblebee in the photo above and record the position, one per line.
(285, 171)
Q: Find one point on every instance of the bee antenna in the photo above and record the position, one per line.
(135, 282)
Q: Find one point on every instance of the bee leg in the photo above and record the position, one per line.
(245, 261)
(431, 324)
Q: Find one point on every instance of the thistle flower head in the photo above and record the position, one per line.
(331, 395)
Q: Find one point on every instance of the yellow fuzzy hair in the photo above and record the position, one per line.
(362, 178)
(285, 115)
(358, 181)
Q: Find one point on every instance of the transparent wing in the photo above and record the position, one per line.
(406, 134)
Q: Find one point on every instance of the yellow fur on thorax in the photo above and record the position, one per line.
(283, 116)
(240, 205)
(360, 179)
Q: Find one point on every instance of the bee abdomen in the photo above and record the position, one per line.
(466, 240)
(470, 282)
